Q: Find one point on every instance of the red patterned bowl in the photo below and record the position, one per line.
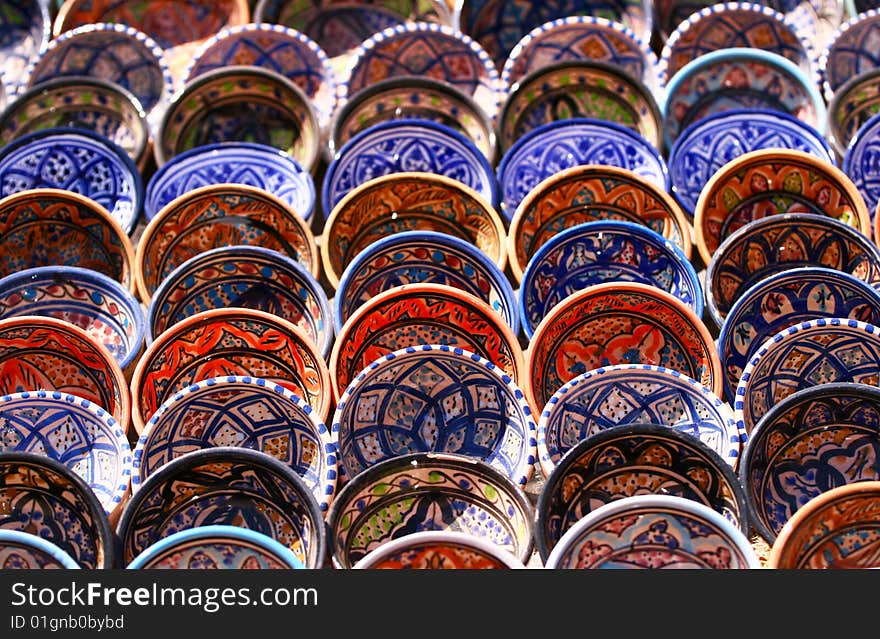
(439, 550)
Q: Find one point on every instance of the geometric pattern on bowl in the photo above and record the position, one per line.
(76, 160)
(779, 242)
(711, 142)
(835, 530)
(585, 194)
(850, 53)
(651, 532)
(220, 215)
(818, 351)
(225, 486)
(618, 323)
(429, 491)
(418, 314)
(635, 459)
(785, 299)
(243, 277)
(434, 398)
(43, 497)
(735, 78)
(98, 304)
(624, 394)
(27, 28)
(602, 251)
(398, 202)
(46, 353)
(412, 257)
(56, 227)
(74, 431)
(814, 440)
(249, 163)
(770, 182)
(214, 547)
(853, 104)
(428, 50)
(241, 411)
(403, 146)
(439, 550)
(860, 163)
(21, 550)
(553, 147)
(579, 89)
(229, 341)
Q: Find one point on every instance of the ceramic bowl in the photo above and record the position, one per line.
(225, 486)
(853, 104)
(859, 164)
(776, 243)
(103, 307)
(835, 530)
(428, 491)
(228, 341)
(814, 440)
(47, 353)
(404, 146)
(498, 27)
(26, 26)
(769, 182)
(220, 215)
(548, 150)
(588, 193)
(256, 165)
(409, 201)
(635, 459)
(414, 257)
(816, 351)
(579, 89)
(582, 37)
(417, 314)
(43, 497)
(623, 394)
(618, 323)
(439, 550)
(21, 550)
(217, 547)
(81, 102)
(248, 412)
(784, 299)
(734, 24)
(739, 77)
(848, 54)
(240, 104)
(708, 144)
(243, 277)
(57, 227)
(426, 49)
(76, 160)
(114, 52)
(604, 251)
(81, 435)
(435, 398)
(414, 97)
(653, 532)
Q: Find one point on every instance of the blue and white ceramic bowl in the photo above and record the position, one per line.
(257, 165)
(553, 147)
(785, 299)
(609, 396)
(708, 144)
(860, 162)
(410, 257)
(76, 160)
(603, 251)
(850, 52)
(405, 146)
(20, 550)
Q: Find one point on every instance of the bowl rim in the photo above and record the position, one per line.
(767, 157)
(646, 430)
(864, 135)
(106, 545)
(449, 538)
(327, 486)
(41, 545)
(625, 505)
(835, 132)
(630, 230)
(856, 20)
(229, 454)
(337, 214)
(414, 460)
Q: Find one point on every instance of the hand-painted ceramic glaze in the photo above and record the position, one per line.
(26, 26)
(439, 550)
(850, 53)
(21, 550)
(853, 104)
